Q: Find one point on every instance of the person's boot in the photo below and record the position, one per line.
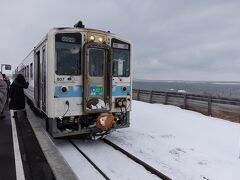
(2, 115)
(25, 113)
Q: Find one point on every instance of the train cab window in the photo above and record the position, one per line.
(120, 58)
(121, 63)
(68, 54)
(96, 62)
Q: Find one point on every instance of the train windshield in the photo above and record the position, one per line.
(121, 63)
(68, 54)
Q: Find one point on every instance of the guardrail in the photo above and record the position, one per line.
(221, 107)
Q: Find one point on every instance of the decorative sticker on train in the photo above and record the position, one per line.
(96, 90)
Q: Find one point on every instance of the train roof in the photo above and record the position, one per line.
(77, 29)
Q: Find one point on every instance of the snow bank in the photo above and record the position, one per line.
(182, 144)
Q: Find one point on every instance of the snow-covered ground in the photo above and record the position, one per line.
(182, 144)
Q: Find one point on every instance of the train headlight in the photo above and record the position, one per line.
(125, 103)
(100, 39)
(124, 88)
(120, 103)
(92, 38)
(64, 88)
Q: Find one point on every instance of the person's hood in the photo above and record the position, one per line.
(21, 83)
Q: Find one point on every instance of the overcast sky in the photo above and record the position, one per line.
(172, 40)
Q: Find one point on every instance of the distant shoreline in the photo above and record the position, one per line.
(186, 81)
(215, 88)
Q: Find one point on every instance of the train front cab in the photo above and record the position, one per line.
(106, 91)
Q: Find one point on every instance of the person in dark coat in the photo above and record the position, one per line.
(3, 94)
(16, 94)
(8, 84)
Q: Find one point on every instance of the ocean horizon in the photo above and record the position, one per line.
(229, 89)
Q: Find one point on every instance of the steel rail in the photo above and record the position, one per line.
(89, 160)
(134, 158)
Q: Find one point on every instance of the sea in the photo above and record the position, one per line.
(213, 88)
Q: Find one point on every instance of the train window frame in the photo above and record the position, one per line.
(27, 71)
(31, 71)
(125, 73)
(123, 47)
(69, 42)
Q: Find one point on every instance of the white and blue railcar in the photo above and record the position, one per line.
(80, 79)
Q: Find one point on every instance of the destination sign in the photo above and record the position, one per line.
(73, 38)
(120, 46)
(68, 39)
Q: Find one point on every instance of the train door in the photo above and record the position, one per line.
(44, 78)
(97, 78)
(37, 84)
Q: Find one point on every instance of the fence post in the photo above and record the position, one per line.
(185, 101)
(138, 91)
(150, 99)
(209, 105)
(166, 98)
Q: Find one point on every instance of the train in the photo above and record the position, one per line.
(80, 79)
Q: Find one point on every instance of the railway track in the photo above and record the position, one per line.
(134, 158)
(126, 154)
(89, 160)
(67, 146)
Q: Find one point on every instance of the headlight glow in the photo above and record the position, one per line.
(92, 38)
(100, 39)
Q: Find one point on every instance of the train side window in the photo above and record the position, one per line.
(24, 72)
(31, 70)
(27, 71)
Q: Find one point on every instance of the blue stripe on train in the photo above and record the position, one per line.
(77, 91)
(118, 91)
(73, 91)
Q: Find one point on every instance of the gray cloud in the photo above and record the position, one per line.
(184, 40)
